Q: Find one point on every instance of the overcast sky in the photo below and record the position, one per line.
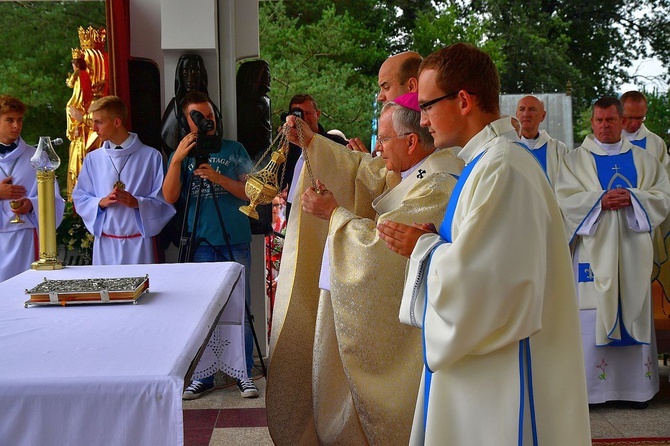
(649, 70)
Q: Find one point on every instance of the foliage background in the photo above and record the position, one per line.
(539, 46)
(35, 60)
(332, 49)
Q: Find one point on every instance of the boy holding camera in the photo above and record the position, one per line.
(118, 192)
(223, 174)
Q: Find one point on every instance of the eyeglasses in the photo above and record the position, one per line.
(425, 107)
(381, 141)
(636, 118)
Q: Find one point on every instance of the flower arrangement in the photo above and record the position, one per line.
(74, 239)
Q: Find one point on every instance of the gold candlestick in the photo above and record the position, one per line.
(45, 161)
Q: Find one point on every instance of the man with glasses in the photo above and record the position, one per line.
(492, 291)
(362, 364)
(634, 115)
(613, 196)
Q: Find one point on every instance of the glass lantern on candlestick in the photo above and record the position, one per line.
(46, 161)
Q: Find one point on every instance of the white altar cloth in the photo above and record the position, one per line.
(108, 374)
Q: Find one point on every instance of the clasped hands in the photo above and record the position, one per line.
(616, 199)
(119, 196)
(402, 238)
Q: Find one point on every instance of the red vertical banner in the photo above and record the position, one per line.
(118, 27)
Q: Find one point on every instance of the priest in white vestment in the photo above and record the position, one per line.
(549, 152)
(492, 291)
(119, 191)
(613, 196)
(365, 365)
(18, 182)
(634, 115)
(634, 129)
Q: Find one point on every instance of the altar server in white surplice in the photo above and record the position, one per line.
(548, 151)
(493, 289)
(18, 183)
(613, 196)
(118, 193)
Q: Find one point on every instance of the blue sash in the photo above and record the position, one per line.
(525, 369)
(616, 171)
(445, 227)
(445, 233)
(641, 143)
(541, 155)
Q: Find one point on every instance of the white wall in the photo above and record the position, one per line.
(222, 32)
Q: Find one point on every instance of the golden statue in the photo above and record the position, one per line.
(89, 81)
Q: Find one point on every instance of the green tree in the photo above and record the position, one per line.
(658, 114)
(35, 61)
(450, 24)
(315, 58)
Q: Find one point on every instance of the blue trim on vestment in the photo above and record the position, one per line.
(526, 378)
(541, 156)
(641, 143)
(624, 162)
(522, 398)
(574, 234)
(445, 233)
(531, 394)
(445, 227)
(643, 210)
(428, 373)
(626, 338)
(542, 162)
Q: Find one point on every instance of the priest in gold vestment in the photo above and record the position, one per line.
(343, 369)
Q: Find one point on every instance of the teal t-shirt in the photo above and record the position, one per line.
(232, 161)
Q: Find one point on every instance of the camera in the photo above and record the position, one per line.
(295, 111)
(205, 144)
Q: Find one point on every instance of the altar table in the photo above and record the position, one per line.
(109, 374)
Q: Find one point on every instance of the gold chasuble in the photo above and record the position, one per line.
(344, 370)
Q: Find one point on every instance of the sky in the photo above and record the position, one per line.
(648, 70)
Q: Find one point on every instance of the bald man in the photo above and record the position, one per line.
(398, 75)
(549, 151)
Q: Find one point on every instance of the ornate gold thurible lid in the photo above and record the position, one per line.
(263, 185)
